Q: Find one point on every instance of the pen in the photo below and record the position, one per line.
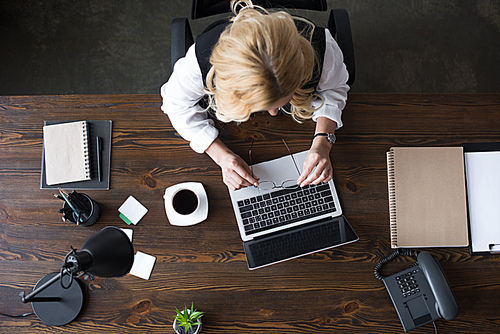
(58, 196)
(77, 204)
(71, 206)
(81, 205)
(99, 158)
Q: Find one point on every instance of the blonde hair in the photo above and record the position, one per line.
(259, 59)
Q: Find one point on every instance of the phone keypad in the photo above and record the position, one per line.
(407, 283)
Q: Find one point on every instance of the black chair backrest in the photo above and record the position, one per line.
(340, 28)
(204, 8)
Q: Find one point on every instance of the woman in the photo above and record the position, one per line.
(259, 61)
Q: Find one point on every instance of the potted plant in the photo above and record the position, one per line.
(187, 321)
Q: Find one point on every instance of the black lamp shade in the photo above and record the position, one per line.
(107, 253)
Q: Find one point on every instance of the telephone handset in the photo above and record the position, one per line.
(421, 294)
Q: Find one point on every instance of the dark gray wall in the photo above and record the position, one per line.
(100, 47)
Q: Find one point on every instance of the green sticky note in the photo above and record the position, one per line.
(125, 219)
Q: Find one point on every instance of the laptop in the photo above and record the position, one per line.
(287, 221)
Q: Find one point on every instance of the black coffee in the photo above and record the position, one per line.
(185, 202)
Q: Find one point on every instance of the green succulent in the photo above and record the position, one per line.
(187, 318)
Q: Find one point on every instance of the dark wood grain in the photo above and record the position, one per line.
(328, 292)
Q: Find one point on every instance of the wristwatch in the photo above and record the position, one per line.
(329, 136)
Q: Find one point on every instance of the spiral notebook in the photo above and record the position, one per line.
(427, 197)
(99, 156)
(66, 152)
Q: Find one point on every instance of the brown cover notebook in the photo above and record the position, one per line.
(427, 203)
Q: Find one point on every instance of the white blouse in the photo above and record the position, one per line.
(184, 89)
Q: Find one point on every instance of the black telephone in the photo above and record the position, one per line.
(421, 294)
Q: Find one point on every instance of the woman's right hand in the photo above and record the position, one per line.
(236, 173)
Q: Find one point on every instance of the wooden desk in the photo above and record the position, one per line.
(328, 292)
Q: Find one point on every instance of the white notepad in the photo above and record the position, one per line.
(483, 189)
(143, 265)
(66, 152)
(132, 211)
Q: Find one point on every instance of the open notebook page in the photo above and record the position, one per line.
(483, 191)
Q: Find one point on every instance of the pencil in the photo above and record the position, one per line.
(70, 205)
(77, 204)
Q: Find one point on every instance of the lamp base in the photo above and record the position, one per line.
(58, 313)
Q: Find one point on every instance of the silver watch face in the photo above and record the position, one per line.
(331, 137)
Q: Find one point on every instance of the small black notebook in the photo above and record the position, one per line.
(102, 129)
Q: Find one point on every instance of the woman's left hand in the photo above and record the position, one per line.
(317, 166)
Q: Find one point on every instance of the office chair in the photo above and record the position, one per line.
(338, 25)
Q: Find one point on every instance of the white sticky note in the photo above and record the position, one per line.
(129, 232)
(143, 265)
(131, 211)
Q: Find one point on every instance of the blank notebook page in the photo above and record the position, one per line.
(66, 152)
(483, 187)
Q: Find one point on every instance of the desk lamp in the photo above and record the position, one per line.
(107, 253)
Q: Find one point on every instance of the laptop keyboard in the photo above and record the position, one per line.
(294, 243)
(285, 206)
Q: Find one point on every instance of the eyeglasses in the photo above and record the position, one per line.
(268, 185)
